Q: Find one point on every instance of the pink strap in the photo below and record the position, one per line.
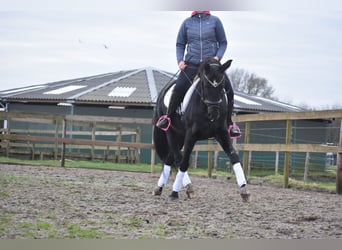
(168, 119)
(237, 127)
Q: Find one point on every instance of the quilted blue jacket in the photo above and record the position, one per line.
(203, 36)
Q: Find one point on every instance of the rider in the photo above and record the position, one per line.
(203, 36)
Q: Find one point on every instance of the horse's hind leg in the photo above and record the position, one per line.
(189, 143)
(164, 176)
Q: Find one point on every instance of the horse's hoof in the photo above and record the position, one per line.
(158, 191)
(174, 196)
(190, 191)
(245, 195)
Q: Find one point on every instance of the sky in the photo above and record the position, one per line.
(298, 49)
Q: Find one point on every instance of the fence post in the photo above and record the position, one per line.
(9, 121)
(93, 138)
(249, 163)
(55, 153)
(287, 160)
(153, 155)
(138, 140)
(33, 150)
(210, 157)
(63, 143)
(216, 159)
(307, 165)
(277, 163)
(246, 153)
(195, 159)
(339, 167)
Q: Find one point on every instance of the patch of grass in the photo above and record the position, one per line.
(43, 225)
(134, 221)
(75, 231)
(36, 230)
(329, 187)
(5, 181)
(52, 216)
(5, 221)
(160, 231)
(83, 164)
(129, 183)
(4, 194)
(26, 225)
(52, 234)
(278, 180)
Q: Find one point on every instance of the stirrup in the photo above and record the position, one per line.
(164, 117)
(236, 134)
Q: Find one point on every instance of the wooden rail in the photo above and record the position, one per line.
(257, 147)
(75, 141)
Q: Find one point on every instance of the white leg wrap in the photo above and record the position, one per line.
(239, 174)
(177, 185)
(186, 179)
(164, 176)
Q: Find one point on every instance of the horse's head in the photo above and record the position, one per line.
(212, 74)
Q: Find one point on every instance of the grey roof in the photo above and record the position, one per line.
(130, 87)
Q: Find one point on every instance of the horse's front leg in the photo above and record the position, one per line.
(226, 143)
(164, 177)
(182, 177)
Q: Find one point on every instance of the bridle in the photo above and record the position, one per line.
(213, 83)
(213, 106)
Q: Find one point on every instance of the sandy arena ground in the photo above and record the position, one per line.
(51, 202)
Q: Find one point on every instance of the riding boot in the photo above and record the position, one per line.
(233, 130)
(165, 121)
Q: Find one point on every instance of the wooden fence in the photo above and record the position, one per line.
(288, 147)
(64, 140)
(61, 137)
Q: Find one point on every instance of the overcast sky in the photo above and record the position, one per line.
(298, 50)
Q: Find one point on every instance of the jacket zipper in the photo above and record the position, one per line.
(201, 45)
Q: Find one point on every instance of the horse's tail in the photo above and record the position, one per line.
(159, 136)
(160, 143)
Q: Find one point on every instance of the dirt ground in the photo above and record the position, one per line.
(51, 202)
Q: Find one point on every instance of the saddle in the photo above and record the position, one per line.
(186, 98)
(184, 104)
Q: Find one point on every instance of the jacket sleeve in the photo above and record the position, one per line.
(181, 43)
(221, 39)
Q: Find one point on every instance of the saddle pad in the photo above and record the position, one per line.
(186, 98)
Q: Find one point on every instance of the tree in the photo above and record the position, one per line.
(250, 83)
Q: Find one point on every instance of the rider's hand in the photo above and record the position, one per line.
(182, 65)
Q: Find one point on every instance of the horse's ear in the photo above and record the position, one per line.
(227, 64)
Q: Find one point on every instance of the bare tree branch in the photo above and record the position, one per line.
(250, 83)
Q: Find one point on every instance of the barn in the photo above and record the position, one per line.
(133, 93)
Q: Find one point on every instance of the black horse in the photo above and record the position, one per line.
(205, 116)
